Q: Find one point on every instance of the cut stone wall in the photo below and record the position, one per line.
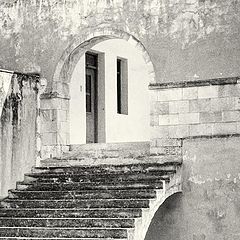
(193, 109)
(54, 122)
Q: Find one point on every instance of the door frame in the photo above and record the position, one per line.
(77, 106)
(95, 90)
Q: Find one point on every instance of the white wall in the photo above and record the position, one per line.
(77, 111)
(135, 125)
(119, 127)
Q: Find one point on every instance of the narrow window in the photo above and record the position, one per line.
(119, 92)
(122, 86)
(88, 93)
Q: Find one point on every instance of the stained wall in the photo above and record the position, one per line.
(209, 206)
(18, 126)
(186, 39)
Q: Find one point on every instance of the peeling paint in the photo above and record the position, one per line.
(34, 33)
(187, 21)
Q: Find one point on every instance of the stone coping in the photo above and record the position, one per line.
(50, 95)
(196, 83)
(36, 75)
(206, 137)
(211, 136)
(234, 135)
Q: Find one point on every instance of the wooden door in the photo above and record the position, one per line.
(91, 99)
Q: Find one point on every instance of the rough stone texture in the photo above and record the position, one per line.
(18, 150)
(185, 39)
(209, 207)
(122, 209)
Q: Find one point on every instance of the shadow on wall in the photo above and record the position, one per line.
(164, 224)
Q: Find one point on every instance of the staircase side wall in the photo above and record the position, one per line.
(18, 131)
(209, 206)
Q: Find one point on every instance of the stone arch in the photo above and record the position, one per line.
(81, 44)
(143, 227)
(57, 94)
(153, 229)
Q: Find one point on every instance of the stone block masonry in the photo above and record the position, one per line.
(54, 122)
(194, 109)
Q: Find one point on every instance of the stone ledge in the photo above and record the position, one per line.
(28, 74)
(111, 162)
(212, 136)
(197, 83)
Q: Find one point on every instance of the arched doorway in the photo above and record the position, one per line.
(109, 95)
(107, 74)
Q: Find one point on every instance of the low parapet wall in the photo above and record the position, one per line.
(209, 108)
(18, 127)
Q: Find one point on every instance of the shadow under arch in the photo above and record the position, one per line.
(166, 218)
(83, 43)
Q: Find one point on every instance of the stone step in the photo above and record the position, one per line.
(76, 204)
(77, 177)
(127, 179)
(85, 202)
(101, 169)
(66, 222)
(111, 194)
(30, 238)
(63, 232)
(88, 160)
(103, 150)
(72, 213)
(156, 184)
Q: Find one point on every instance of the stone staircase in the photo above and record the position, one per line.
(88, 202)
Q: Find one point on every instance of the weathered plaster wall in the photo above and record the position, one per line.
(209, 207)
(186, 39)
(5, 81)
(18, 128)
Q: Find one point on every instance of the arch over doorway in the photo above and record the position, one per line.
(64, 70)
(82, 43)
